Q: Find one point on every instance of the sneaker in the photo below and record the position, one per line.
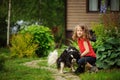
(93, 69)
(79, 70)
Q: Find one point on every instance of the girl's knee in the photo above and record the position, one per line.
(81, 61)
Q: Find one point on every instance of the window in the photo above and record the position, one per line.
(115, 5)
(99, 6)
(92, 5)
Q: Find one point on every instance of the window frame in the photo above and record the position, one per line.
(114, 10)
(99, 3)
(87, 7)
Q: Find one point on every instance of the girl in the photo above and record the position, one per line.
(81, 34)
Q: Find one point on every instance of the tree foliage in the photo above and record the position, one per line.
(49, 13)
(25, 10)
(52, 12)
(3, 8)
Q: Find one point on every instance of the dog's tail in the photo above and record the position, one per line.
(52, 57)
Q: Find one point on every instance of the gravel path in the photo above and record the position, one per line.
(56, 74)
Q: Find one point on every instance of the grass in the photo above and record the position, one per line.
(113, 74)
(15, 71)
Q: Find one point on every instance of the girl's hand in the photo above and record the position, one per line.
(81, 55)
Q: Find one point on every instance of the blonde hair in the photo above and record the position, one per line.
(84, 28)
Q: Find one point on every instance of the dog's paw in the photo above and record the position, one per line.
(61, 72)
(72, 70)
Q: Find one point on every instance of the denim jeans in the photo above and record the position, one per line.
(84, 60)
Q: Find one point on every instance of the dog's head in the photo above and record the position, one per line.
(69, 56)
(73, 52)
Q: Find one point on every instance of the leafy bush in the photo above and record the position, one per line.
(107, 46)
(74, 44)
(22, 46)
(109, 53)
(42, 36)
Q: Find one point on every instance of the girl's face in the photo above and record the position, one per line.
(79, 32)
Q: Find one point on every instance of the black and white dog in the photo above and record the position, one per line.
(67, 59)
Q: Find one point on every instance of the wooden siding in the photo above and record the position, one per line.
(76, 14)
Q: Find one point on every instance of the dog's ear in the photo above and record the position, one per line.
(67, 49)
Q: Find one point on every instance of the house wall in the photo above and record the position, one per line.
(76, 14)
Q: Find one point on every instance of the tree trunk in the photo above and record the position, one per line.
(8, 26)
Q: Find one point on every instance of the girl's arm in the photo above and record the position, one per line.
(86, 49)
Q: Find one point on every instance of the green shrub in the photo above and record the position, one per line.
(22, 46)
(99, 30)
(42, 36)
(107, 46)
(74, 44)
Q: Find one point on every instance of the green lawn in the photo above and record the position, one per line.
(15, 71)
(113, 74)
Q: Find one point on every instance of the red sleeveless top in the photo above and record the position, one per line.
(82, 48)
